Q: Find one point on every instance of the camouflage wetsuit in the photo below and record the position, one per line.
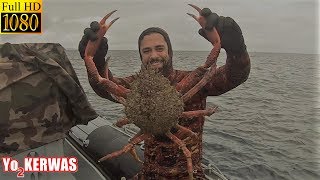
(40, 96)
(162, 158)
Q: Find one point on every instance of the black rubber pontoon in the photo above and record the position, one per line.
(100, 137)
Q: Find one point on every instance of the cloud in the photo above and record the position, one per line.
(267, 25)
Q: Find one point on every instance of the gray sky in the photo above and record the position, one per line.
(268, 25)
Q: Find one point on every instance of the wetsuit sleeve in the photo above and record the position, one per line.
(233, 73)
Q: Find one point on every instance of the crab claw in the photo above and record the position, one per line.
(200, 19)
(195, 7)
(193, 16)
(104, 19)
(92, 46)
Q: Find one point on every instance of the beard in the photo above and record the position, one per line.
(158, 64)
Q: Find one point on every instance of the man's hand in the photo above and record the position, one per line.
(90, 34)
(94, 44)
(230, 33)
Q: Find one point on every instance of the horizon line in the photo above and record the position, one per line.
(270, 52)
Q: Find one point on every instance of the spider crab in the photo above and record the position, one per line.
(179, 94)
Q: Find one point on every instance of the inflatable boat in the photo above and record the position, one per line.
(101, 137)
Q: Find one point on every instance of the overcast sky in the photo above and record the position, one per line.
(268, 25)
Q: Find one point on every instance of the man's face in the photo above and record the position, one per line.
(154, 51)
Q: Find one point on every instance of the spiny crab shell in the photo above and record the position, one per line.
(153, 104)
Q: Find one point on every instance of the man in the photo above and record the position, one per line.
(162, 158)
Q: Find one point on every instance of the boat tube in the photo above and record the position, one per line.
(101, 137)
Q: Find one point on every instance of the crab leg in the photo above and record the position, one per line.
(134, 154)
(198, 113)
(106, 68)
(186, 152)
(214, 53)
(99, 83)
(207, 77)
(103, 84)
(193, 79)
(122, 122)
(191, 84)
(183, 130)
(135, 140)
(106, 76)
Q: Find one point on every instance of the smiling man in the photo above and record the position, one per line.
(155, 50)
(162, 158)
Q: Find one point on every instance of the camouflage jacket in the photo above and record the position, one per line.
(40, 96)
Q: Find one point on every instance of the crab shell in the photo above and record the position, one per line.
(153, 104)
